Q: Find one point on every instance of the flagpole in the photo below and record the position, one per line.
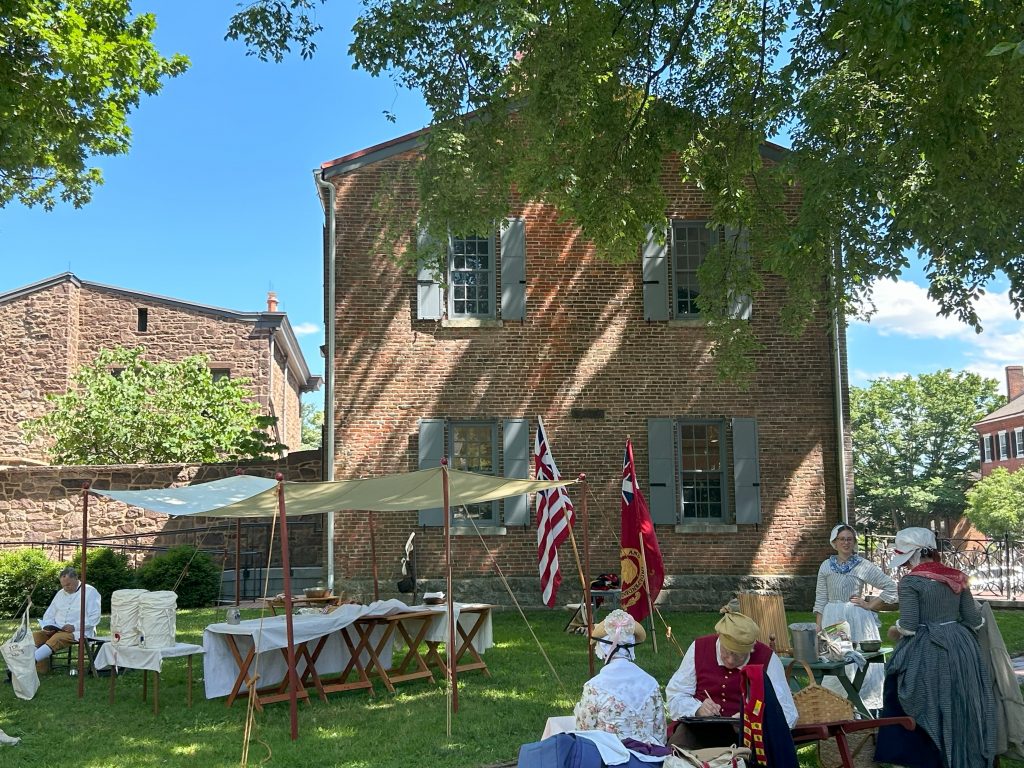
(586, 570)
(647, 588)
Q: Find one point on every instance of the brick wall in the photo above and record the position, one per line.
(585, 345)
(44, 505)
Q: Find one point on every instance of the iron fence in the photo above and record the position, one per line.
(995, 566)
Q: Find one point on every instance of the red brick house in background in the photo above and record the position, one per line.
(743, 484)
(50, 328)
(1001, 433)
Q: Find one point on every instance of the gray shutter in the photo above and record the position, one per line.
(661, 464)
(515, 444)
(745, 471)
(428, 290)
(739, 303)
(513, 269)
(655, 276)
(431, 453)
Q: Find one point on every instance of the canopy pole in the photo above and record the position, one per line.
(373, 556)
(582, 573)
(452, 642)
(293, 678)
(238, 561)
(81, 589)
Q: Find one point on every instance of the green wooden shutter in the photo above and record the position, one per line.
(661, 464)
(428, 290)
(655, 275)
(739, 303)
(513, 269)
(431, 453)
(745, 471)
(515, 438)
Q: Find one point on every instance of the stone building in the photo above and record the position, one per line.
(1001, 433)
(50, 328)
(743, 483)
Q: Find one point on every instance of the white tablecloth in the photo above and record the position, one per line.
(438, 630)
(269, 635)
(137, 657)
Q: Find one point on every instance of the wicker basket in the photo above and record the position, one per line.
(815, 704)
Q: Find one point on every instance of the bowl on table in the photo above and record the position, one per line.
(433, 598)
(316, 592)
(871, 646)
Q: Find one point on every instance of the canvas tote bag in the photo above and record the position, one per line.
(19, 653)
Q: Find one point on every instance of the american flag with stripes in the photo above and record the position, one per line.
(552, 527)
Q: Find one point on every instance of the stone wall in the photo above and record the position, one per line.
(42, 506)
(588, 361)
(47, 334)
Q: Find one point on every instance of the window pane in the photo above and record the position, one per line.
(702, 473)
(472, 265)
(691, 242)
(473, 451)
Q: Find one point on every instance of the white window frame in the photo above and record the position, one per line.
(1018, 433)
(714, 236)
(689, 476)
(458, 515)
(491, 271)
(986, 441)
(1004, 445)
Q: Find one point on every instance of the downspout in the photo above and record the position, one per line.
(837, 376)
(278, 427)
(328, 446)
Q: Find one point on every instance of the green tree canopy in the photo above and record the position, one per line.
(70, 72)
(123, 409)
(914, 447)
(905, 133)
(996, 503)
(312, 426)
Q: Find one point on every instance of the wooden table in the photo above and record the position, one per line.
(392, 622)
(482, 614)
(340, 682)
(837, 669)
(148, 660)
(301, 601)
(273, 693)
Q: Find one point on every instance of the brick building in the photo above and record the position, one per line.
(743, 484)
(50, 328)
(1001, 433)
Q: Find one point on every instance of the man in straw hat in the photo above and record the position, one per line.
(621, 698)
(709, 683)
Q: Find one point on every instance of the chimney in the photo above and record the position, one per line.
(272, 307)
(1014, 381)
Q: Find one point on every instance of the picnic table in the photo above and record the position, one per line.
(837, 669)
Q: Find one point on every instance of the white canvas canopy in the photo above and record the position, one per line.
(245, 496)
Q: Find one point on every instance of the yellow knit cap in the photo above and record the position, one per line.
(737, 632)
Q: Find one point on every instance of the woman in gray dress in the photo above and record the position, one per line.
(936, 674)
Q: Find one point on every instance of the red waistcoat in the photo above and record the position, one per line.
(721, 684)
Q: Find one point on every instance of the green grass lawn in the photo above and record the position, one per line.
(350, 730)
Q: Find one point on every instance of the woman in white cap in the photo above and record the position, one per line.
(839, 596)
(621, 698)
(936, 674)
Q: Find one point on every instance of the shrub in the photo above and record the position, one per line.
(20, 570)
(106, 570)
(200, 584)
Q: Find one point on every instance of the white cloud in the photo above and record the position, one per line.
(306, 329)
(862, 378)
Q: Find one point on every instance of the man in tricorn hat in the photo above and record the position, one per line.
(708, 683)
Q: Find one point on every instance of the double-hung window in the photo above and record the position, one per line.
(1018, 439)
(1004, 445)
(471, 276)
(691, 241)
(485, 446)
(986, 448)
(703, 492)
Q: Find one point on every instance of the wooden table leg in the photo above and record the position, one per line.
(466, 643)
(374, 652)
(243, 669)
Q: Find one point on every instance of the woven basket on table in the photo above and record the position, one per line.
(815, 704)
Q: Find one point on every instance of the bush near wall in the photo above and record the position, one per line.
(199, 584)
(22, 570)
(106, 570)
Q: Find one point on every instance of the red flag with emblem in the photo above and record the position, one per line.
(638, 546)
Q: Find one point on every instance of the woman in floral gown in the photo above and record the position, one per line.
(621, 698)
(839, 597)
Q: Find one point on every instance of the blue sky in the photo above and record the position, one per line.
(216, 203)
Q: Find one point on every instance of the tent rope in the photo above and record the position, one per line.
(515, 602)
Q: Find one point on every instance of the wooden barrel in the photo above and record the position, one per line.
(769, 612)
